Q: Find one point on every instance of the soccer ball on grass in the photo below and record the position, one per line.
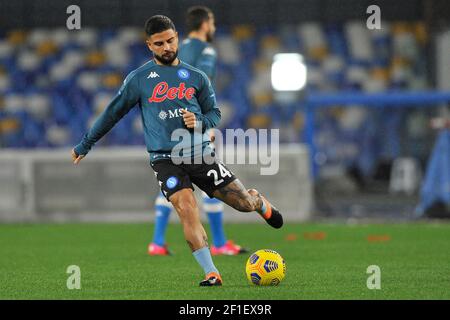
(265, 268)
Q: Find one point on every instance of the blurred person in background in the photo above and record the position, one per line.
(197, 51)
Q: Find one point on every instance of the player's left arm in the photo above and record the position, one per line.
(210, 116)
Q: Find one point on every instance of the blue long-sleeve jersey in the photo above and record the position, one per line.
(199, 54)
(161, 92)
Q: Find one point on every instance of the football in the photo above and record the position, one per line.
(265, 268)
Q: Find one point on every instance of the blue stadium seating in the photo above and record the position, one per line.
(71, 91)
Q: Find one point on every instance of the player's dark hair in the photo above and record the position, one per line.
(157, 24)
(196, 15)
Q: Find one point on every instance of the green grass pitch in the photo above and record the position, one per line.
(324, 261)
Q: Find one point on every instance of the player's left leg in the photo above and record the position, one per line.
(214, 212)
(237, 196)
(219, 182)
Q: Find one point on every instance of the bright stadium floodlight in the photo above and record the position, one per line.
(288, 72)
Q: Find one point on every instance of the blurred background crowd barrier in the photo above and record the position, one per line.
(117, 184)
(54, 82)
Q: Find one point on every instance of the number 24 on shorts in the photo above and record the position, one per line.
(223, 173)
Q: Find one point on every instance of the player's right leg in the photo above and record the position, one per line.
(186, 206)
(163, 208)
(177, 188)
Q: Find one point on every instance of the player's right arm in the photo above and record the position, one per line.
(123, 102)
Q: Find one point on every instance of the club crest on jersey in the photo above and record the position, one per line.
(162, 92)
(183, 74)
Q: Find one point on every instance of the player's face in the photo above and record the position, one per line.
(164, 46)
(211, 28)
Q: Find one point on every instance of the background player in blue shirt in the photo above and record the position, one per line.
(173, 95)
(197, 51)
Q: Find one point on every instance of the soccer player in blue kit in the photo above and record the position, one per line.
(173, 95)
(196, 51)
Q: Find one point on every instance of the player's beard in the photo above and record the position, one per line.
(167, 58)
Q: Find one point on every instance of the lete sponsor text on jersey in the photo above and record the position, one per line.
(162, 92)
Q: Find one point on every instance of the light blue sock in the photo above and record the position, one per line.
(161, 220)
(214, 211)
(263, 208)
(203, 257)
